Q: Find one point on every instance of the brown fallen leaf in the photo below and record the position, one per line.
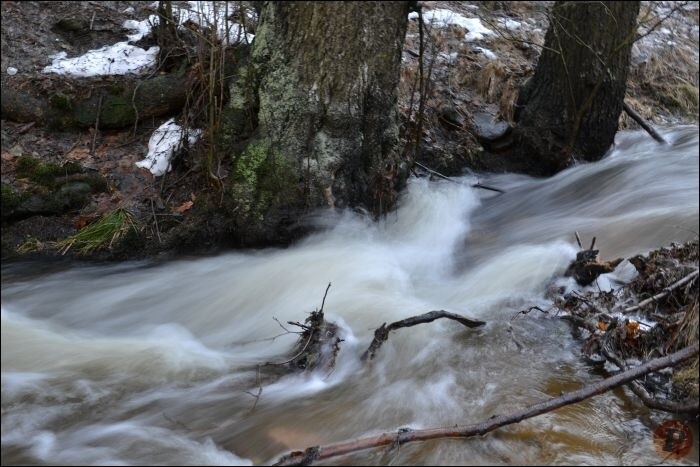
(184, 206)
(78, 153)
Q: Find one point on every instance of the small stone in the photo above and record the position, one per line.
(11, 70)
(489, 128)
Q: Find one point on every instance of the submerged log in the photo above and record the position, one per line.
(118, 102)
(404, 435)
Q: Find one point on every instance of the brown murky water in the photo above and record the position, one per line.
(149, 364)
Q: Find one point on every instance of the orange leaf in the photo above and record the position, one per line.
(184, 206)
(78, 153)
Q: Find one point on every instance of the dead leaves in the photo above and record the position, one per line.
(186, 206)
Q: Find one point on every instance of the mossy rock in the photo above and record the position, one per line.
(43, 173)
(10, 200)
(60, 101)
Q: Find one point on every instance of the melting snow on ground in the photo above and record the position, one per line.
(487, 53)
(164, 143)
(123, 58)
(441, 17)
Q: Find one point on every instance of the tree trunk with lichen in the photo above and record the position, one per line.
(320, 91)
(569, 109)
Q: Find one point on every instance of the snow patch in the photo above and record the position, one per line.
(208, 14)
(118, 59)
(121, 58)
(449, 58)
(441, 17)
(509, 23)
(11, 70)
(164, 143)
(487, 53)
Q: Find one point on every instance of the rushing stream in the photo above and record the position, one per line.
(141, 363)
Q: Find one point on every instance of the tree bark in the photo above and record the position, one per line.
(569, 109)
(325, 89)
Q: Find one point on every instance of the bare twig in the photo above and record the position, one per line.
(403, 436)
(97, 126)
(155, 220)
(324, 297)
(445, 177)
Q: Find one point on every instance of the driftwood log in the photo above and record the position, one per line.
(118, 102)
(403, 436)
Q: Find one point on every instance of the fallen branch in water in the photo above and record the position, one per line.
(663, 293)
(445, 177)
(640, 391)
(402, 436)
(638, 118)
(381, 334)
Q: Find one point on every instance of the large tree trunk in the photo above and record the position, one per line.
(569, 109)
(325, 90)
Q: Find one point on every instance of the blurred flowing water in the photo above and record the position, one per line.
(144, 363)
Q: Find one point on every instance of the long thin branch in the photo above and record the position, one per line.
(663, 293)
(403, 436)
(638, 118)
(649, 400)
(381, 334)
(445, 177)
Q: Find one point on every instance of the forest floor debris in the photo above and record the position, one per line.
(653, 315)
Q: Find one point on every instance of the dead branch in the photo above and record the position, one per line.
(638, 118)
(640, 391)
(403, 436)
(381, 334)
(663, 293)
(445, 177)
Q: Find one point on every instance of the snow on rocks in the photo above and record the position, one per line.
(164, 143)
